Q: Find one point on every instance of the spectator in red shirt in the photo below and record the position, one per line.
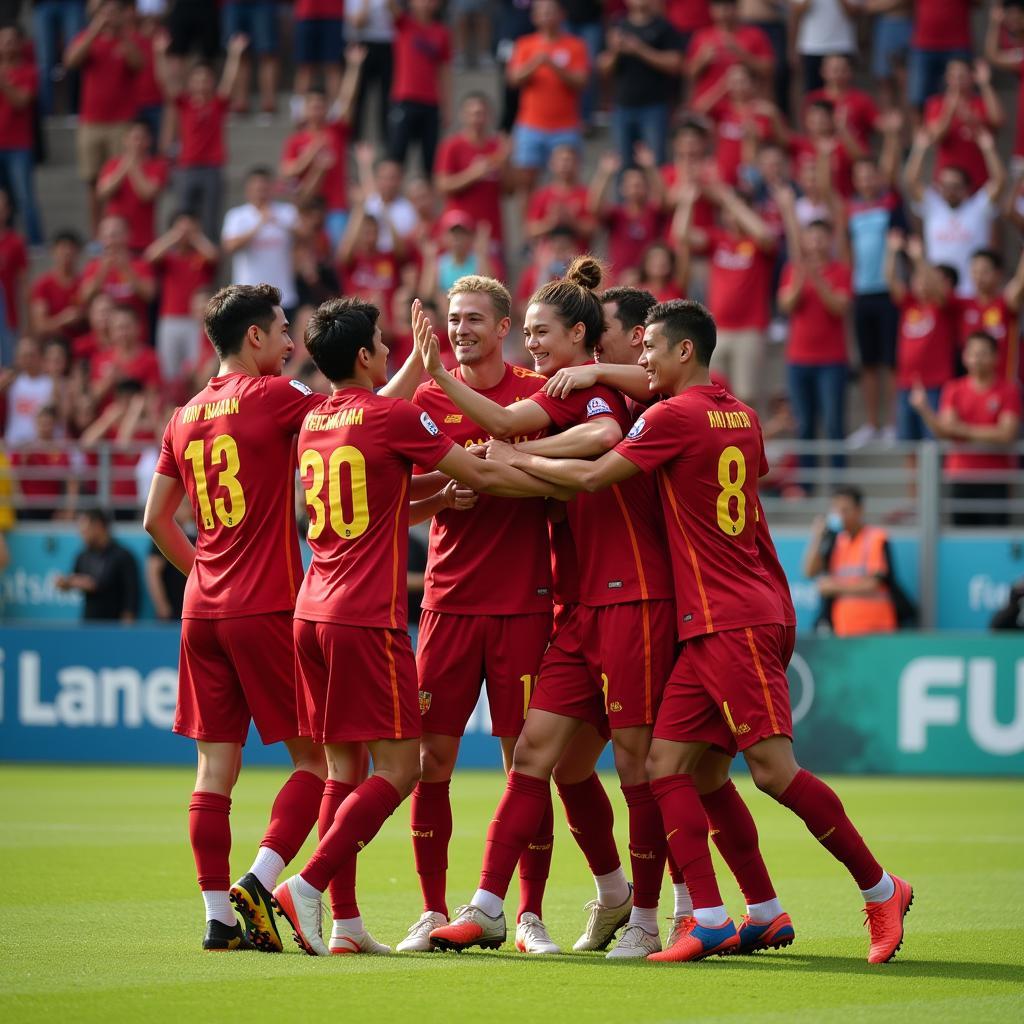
(830, 140)
(815, 293)
(125, 279)
(96, 339)
(1004, 49)
(201, 112)
(955, 118)
(366, 270)
(47, 484)
(984, 409)
(853, 108)
(995, 308)
(185, 261)
(316, 156)
(149, 90)
(130, 185)
(564, 202)
(127, 359)
(715, 49)
(663, 272)
(319, 36)
(110, 62)
(17, 131)
(942, 32)
(421, 86)
(53, 299)
(13, 266)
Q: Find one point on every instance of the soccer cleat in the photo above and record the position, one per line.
(221, 938)
(252, 901)
(532, 936)
(470, 927)
(634, 943)
(304, 915)
(603, 923)
(418, 939)
(884, 922)
(695, 942)
(350, 943)
(774, 935)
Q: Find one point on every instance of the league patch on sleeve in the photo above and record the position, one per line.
(429, 425)
(597, 407)
(637, 430)
(299, 386)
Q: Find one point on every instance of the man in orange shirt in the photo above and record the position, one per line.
(549, 68)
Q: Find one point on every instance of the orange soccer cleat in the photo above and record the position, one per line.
(470, 927)
(755, 935)
(884, 922)
(695, 942)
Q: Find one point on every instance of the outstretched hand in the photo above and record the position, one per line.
(425, 342)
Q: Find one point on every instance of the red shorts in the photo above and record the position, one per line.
(234, 670)
(608, 665)
(456, 653)
(728, 689)
(358, 683)
(789, 645)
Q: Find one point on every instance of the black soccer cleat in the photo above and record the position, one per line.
(252, 901)
(221, 938)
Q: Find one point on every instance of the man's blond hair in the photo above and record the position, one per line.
(471, 284)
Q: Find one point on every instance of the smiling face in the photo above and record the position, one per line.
(474, 330)
(275, 345)
(616, 344)
(661, 360)
(551, 344)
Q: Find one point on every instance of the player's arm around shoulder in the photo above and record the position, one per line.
(289, 401)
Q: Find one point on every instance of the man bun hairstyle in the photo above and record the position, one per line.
(337, 330)
(236, 308)
(685, 318)
(574, 298)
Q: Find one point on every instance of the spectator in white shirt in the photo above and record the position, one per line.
(29, 388)
(382, 187)
(823, 27)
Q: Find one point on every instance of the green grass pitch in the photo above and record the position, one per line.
(102, 919)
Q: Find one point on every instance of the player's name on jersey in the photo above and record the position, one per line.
(344, 418)
(211, 410)
(728, 420)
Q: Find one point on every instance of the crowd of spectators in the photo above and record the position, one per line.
(824, 174)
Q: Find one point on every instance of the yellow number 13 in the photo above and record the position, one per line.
(732, 475)
(223, 453)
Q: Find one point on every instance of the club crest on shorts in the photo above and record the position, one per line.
(429, 425)
(424, 696)
(597, 407)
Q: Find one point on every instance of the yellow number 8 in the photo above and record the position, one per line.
(732, 488)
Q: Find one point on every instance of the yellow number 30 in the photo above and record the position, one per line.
(223, 453)
(311, 461)
(732, 488)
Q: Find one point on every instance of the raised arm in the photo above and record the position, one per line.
(994, 166)
(1014, 290)
(750, 222)
(237, 45)
(607, 167)
(913, 173)
(355, 55)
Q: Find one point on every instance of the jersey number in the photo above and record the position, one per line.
(732, 475)
(311, 461)
(223, 455)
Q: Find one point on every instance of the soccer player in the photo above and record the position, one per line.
(231, 449)
(353, 654)
(729, 683)
(608, 659)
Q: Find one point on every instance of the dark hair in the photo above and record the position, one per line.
(141, 122)
(234, 309)
(47, 410)
(989, 254)
(123, 307)
(479, 96)
(951, 274)
(983, 336)
(631, 305)
(692, 125)
(819, 222)
(574, 300)
(99, 516)
(67, 235)
(855, 494)
(259, 171)
(684, 318)
(315, 90)
(822, 104)
(337, 330)
(182, 211)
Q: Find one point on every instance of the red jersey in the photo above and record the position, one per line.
(420, 49)
(201, 128)
(959, 146)
(687, 15)
(52, 464)
(979, 408)
(333, 184)
(839, 161)
(996, 319)
(148, 91)
(732, 124)
(926, 345)
(942, 26)
(139, 213)
(16, 127)
(816, 336)
(707, 449)
(182, 274)
(493, 559)
(55, 295)
(233, 447)
(13, 263)
(629, 235)
(572, 202)
(372, 276)
(356, 454)
(618, 533)
(141, 365)
(108, 82)
(328, 10)
(740, 284)
(704, 211)
(858, 107)
(482, 199)
(746, 37)
(117, 286)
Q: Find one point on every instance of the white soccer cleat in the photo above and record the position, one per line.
(603, 923)
(532, 936)
(418, 939)
(634, 943)
(349, 943)
(304, 915)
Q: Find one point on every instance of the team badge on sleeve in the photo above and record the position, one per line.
(299, 386)
(597, 406)
(429, 425)
(637, 429)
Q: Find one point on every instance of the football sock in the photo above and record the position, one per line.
(591, 822)
(881, 892)
(488, 902)
(293, 815)
(711, 917)
(431, 822)
(267, 866)
(346, 926)
(646, 917)
(646, 845)
(307, 891)
(735, 835)
(218, 907)
(516, 820)
(822, 812)
(209, 832)
(682, 904)
(342, 886)
(764, 913)
(673, 869)
(535, 865)
(686, 828)
(358, 820)
(612, 889)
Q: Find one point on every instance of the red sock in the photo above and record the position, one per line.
(673, 869)
(647, 846)
(535, 865)
(343, 886)
(591, 822)
(431, 833)
(358, 820)
(822, 812)
(735, 835)
(209, 831)
(686, 828)
(294, 814)
(516, 819)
